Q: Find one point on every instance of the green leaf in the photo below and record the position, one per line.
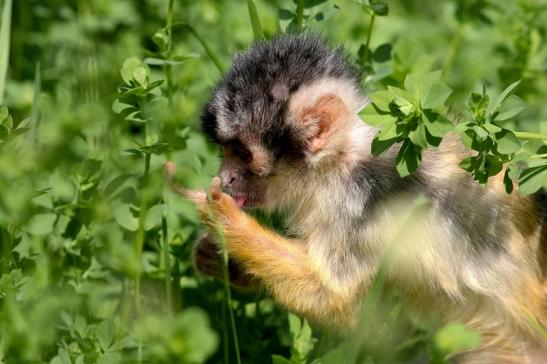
(437, 124)
(380, 9)
(110, 358)
(532, 179)
(380, 146)
(404, 105)
(491, 128)
(467, 164)
(507, 142)
(161, 39)
(64, 356)
(492, 165)
(456, 337)
(436, 96)
(382, 99)
(419, 136)
(402, 94)
(141, 76)
(153, 216)
(480, 132)
(41, 224)
(105, 334)
(5, 30)
(388, 133)
(511, 107)
(294, 325)
(495, 105)
(124, 217)
(255, 20)
(376, 120)
(408, 159)
(128, 67)
(420, 85)
(382, 53)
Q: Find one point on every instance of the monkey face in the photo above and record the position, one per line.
(282, 108)
(247, 169)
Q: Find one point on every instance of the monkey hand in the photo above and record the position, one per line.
(207, 259)
(219, 209)
(223, 218)
(219, 212)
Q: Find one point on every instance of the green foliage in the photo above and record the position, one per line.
(414, 116)
(455, 337)
(5, 30)
(303, 14)
(302, 342)
(95, 250)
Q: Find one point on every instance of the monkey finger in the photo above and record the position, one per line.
(216, 192)
(170, 169)
(199, 197)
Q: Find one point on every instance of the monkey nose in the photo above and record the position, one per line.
(228, 179)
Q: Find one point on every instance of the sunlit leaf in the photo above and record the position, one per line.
(511, 107)
(456, 337)
(408, 159)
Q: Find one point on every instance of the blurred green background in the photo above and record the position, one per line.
(95, 248)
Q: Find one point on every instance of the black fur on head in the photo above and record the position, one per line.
(253, 96)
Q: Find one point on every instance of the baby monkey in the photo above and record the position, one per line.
(286, 118)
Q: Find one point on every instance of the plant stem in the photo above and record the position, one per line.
(166, 263)
(229, 304)
(164, 230)
(206, 47)
(538, 156)
(299, 15)
(5, 30)
(369, 35)
(167, 67)
(255, 20)
(139, 236)
(225, 335)
(452, 51)
(227, 290)
(528, 135)
(35, 112)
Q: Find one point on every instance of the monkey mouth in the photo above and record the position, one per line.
(244, 200)
(240, 201)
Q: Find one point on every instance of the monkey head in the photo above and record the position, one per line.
(282, 110)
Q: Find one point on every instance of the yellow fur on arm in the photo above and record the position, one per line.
(280, 265)
(283, 267)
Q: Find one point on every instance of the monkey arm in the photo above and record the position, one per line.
(281, 265)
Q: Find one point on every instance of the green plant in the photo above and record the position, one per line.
(95, 250)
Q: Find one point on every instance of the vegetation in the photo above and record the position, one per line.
(97, 95)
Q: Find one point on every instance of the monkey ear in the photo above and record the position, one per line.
(321, 119)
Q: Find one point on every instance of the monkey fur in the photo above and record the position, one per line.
(286, 118)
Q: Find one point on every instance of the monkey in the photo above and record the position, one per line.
(285, 117)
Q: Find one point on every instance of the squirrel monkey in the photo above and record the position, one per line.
(286, 118)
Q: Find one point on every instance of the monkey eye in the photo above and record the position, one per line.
(243, 153)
